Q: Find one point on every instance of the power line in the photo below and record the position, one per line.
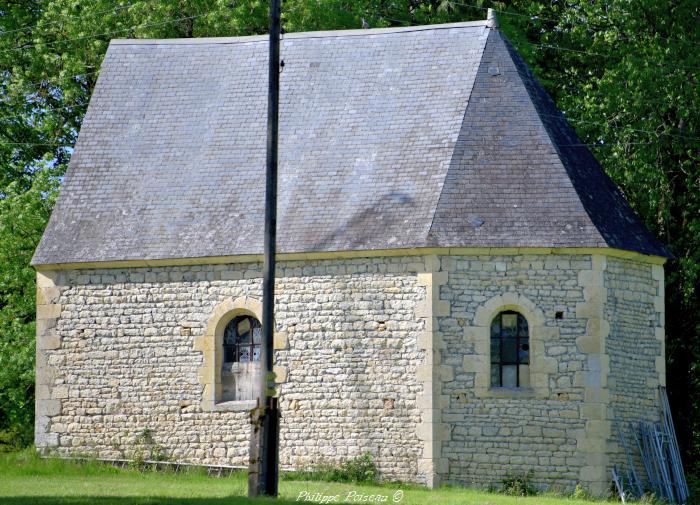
(48, 79)
(86, 37)
(624, 127)
(93, 72)
(602, 55)
(581, 144)
(55, 144)
(556, 47)
(567, 118)
(83, 106)
(542, 46)
(539, 46)
(545, 46)
(609, 144)
(47, 110)
(135, 27)
(24, 28)
(591, 28)
(117, 8)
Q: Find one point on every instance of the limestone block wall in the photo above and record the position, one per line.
(351, 385)
(387, 355)
(492, 432)
(122, 350)
(635, 346)
(596, 354)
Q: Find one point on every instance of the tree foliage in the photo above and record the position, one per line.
(625, 73)
(23, 216)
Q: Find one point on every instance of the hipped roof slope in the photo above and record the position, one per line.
(395, 138)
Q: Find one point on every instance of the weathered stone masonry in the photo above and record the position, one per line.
(119, 351)
(388, 354)
(584, 369)
(635, 308)
(497, 430)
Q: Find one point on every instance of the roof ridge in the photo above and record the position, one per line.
(302, 35)
(452, 157)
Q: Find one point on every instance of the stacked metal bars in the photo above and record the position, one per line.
(660, 456)
(677, 473)
(652, 446)
(632, 479)
(619, 485)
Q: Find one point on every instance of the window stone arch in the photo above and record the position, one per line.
(210, 343)
(479, 335)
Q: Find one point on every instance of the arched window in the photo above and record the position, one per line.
(242, 338)
(510, 351)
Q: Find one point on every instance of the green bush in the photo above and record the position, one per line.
(580, 493)
(516, 484)
(361, 469)
(693, 480)
(146, 449)
(14, 438)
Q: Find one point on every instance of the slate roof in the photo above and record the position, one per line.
(435, 136)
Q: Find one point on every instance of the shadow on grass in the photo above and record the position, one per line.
(136, 500)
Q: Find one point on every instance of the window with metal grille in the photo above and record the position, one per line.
(242, 338)
(510, 351)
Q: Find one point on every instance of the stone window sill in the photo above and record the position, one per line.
(235, 406)
(499, 392)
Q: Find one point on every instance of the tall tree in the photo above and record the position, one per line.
(625, 73)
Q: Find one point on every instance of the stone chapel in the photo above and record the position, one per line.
(462, 292)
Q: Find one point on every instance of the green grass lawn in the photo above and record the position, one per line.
(26, 479)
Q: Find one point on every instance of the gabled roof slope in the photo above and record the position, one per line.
(171, 156)
(607, 209)
(520, 176)
(395, 138)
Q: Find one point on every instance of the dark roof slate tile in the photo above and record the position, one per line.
(399, 138)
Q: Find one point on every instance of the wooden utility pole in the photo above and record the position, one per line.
(264, 445)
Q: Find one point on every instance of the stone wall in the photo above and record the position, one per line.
(635, 345)
(351, 386)
(119, 357)
(596, 338)
(495, 432)
(387, 355)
